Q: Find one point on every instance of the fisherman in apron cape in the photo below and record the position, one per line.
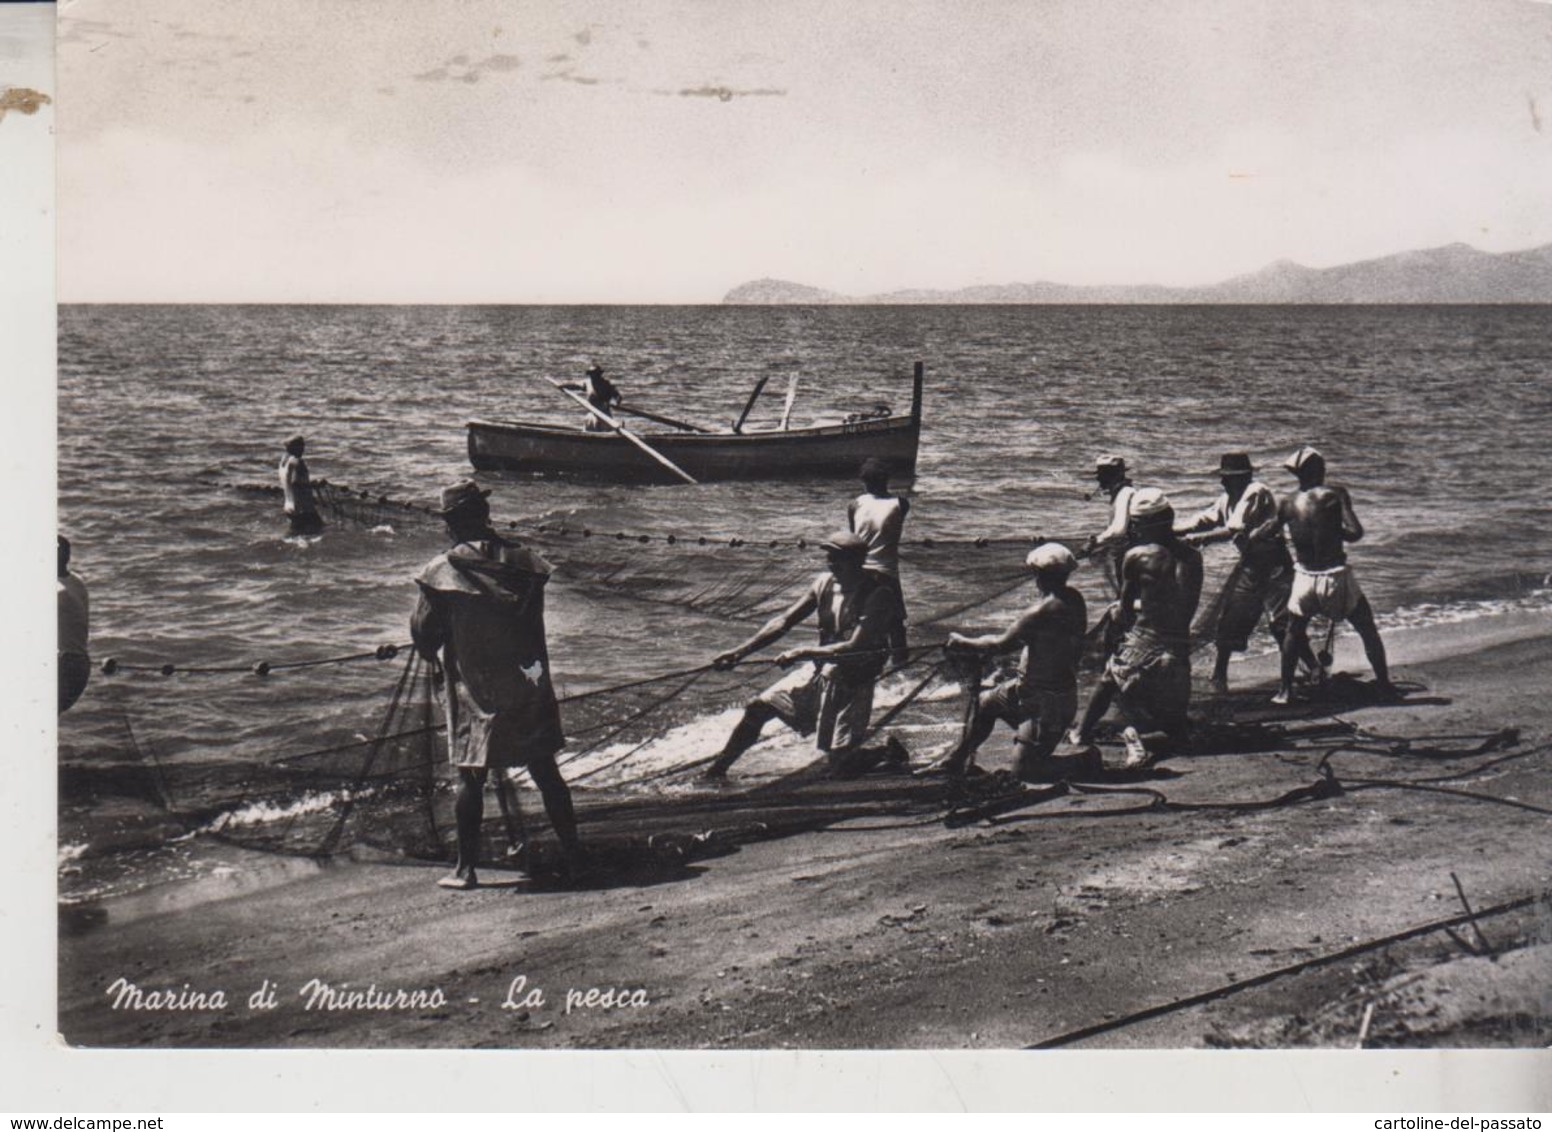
(481, 611)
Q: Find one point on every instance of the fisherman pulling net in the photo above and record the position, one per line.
(384, 787)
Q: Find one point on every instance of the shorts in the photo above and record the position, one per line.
(1153, 683)
(813, 703)
(1249, 594)
(1041, 716)
(1330, 593)
(305, 522)
(75, 669)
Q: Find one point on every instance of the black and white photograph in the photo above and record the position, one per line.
(993, 526)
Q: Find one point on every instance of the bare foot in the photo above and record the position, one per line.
(943, 768)
(1219, 684)
(459, 882)
(1283, 697)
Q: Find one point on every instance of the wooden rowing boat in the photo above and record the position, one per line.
(821, 450)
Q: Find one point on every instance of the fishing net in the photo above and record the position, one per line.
(375, 779)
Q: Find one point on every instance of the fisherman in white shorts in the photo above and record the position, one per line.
(1320, 521)
(831, 695)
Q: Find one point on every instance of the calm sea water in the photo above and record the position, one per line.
(1436, 418)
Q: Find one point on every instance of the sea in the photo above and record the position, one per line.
(171, 418)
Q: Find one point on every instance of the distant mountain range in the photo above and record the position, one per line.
(1457, 273)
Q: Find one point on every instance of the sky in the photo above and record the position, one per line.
(667, 150)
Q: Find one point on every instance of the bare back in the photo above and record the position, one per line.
(1161, 587)
(1320, 522)
(1052, 635)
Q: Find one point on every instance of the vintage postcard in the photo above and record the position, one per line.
(995, 527)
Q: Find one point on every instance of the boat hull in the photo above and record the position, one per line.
(831, 450)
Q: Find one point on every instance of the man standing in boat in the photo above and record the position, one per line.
(481, 613)
(833, 697)
(1041, 702)
(1246, 512)
(600, 393)
(878, 518)
(1150, 670)
(297, 484)
(1320, 522)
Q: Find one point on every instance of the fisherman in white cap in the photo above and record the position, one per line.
(1041, 702)
(1320, 521)
(832, 699)
(481, 615)
(1246, 513)
(1150, 671)
(297, 486)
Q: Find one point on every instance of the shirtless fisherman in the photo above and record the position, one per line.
(1320, 521)
(879, 518)
(1246, 512)
(1041, 702)
(1150, 671)
(482, 609)
(297, 484)
(835, 696)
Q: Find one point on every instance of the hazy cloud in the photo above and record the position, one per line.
(460, 69)
(723, 93)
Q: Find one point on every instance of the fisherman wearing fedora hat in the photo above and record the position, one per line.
(297, 486)
(1246, 512)
(833, 699)
(1320, 521)
(1110, 473)
(1149, 673)
(1041, 702)
(481, 616)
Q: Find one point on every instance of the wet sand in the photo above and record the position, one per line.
(895, 930)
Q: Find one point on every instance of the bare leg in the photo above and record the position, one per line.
(557, 804)
(468, 810)
(746, 734)
(1220, 672)
(1295, 644)
(1362, 619)
(1099, 704)
(977, 730)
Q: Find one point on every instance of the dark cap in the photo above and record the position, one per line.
(873, 469)
(1235, 464)
(460, 495)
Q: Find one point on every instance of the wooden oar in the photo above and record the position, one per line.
(792, 395)
(625, 432)
(738, 426)
(669, 421)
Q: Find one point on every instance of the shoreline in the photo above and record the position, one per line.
(892, 931)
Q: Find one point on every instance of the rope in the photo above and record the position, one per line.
(1223, 991)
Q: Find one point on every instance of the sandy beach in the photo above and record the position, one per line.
(1061, 919)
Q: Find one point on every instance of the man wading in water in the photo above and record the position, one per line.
(1247, 513)
(878, 518)
(835, 697)
(297, 484)
(482, 608)
(1042, 700)
(1150, 671)
(1320, 521)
